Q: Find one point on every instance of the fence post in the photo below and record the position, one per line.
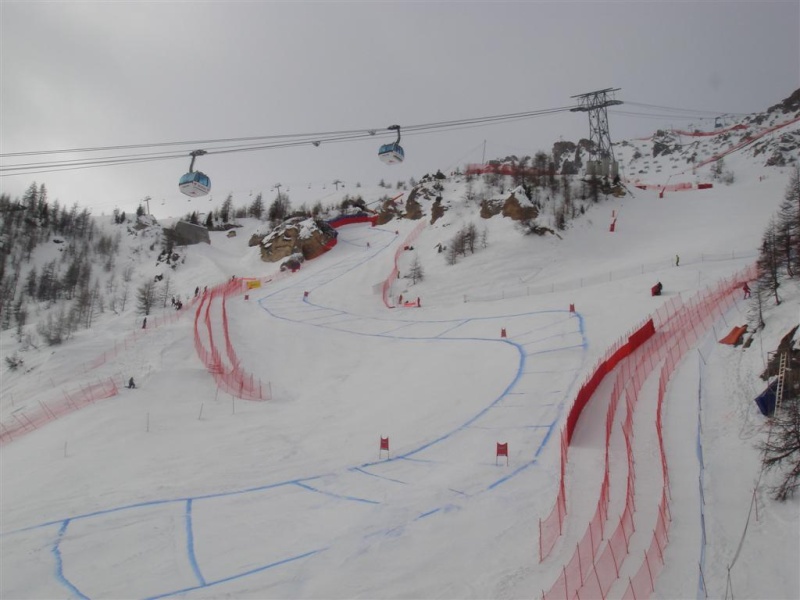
(613, 556)
(649, 571)
(540, 542)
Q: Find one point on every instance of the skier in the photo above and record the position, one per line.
(144, 323)
(131, 384)
(746, 289)
(677, 260)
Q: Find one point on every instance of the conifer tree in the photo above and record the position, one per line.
(788, 229)
(417, 273)
(256, 208)
(145, 297)
(769, 263)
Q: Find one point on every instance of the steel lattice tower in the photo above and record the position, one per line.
(595, 103)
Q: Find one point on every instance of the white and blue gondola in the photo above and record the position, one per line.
(195, 183)
(392, 153)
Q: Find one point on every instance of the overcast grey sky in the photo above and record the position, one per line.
(88, 74)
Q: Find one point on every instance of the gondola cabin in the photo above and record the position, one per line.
(391, 153)
(194, 184)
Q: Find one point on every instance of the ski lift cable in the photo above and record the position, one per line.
(70, 164)
(655, 116)
(298, 137)
(689, 110)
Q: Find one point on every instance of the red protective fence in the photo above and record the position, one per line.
(361, 217)
(25, 421)
(229, 374)
(748, 139)
(224, 365)
(387, 284)
(596, 562)
(551, 527)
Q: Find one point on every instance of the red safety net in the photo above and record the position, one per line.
(387, 284)
(26, 421)
(222, 361)
(596, 562)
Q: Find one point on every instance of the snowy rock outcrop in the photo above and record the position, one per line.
(309, 237)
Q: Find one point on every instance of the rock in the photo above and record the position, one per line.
(308, 237)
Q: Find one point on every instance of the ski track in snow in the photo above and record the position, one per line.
(541, 333)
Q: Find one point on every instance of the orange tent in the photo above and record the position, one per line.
(734, 338)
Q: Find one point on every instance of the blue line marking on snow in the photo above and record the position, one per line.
(332, 495)
(238, 575)
(360, 470)
(60, 563)
(456, 326)
(428, 514)
(150, 503)
(190, 544)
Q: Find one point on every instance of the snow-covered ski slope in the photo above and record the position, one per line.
(178, 490)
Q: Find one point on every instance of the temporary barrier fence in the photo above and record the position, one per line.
(629, 379)
(551, 527)
(25, 421)
(387, 284)
(361, 217)
(591, 572)
(224, 367)
(745, 141)
(235, 380)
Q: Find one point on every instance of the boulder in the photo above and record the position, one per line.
(308, 237)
